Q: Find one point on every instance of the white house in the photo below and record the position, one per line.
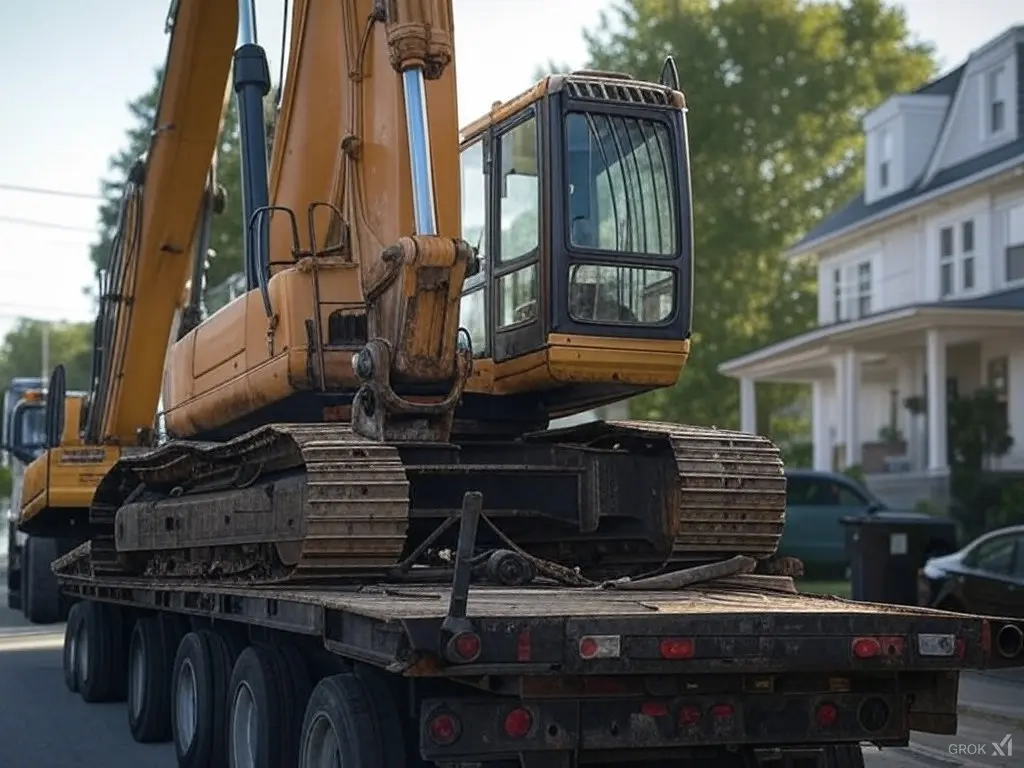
(920, 281)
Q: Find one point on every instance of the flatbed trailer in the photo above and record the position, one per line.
(738, 670)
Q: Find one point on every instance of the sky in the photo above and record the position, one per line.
(71, 67)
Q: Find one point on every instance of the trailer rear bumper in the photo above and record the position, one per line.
(466, 729)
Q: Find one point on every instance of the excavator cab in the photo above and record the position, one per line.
(577, 197)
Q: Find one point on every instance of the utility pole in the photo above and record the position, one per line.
(46, 351)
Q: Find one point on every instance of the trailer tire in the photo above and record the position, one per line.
(70, 654)
(257, 697)
(340, 719)
(202, 672)
(149, 681)
(388, 718)
(40, 590)
(13, 598)
(100, 657)
(296, 689)
(843, 756)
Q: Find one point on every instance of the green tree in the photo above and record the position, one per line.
(776, 89)
(21, 352)
(226, 236)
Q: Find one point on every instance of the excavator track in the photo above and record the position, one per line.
(282, 503)
(732, 490)
(310, 503)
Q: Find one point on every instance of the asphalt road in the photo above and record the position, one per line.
(42, 725)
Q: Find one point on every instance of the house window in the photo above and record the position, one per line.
(852, 291)
(995, 91)
(837, 295)
(1015, 244)
(885, 165)
(864, 289)
(946, 262)
(967, 254)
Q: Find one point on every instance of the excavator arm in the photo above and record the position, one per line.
(152, 254)
(161, 217)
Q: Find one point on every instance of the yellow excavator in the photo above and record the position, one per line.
(419, 305)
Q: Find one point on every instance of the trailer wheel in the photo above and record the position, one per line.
(259, 703)
(40, 590)
(296, 689)
(340, 728)
(149, 680)
(202, 672)
(843, 756)
(99, 653)
(71, 647)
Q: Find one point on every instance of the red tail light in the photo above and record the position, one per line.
(654, 709)
(677, 648)
(827, 715)
(463, 648)
(866, 647)
(518, 723)
(444, 729)
(688, 717)
(722, 711)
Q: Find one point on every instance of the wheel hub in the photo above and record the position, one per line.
(186, 706)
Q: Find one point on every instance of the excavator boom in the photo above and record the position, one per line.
(151, 259)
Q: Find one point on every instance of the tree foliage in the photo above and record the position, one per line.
(21, 352)
(226, 236)
(776, 91)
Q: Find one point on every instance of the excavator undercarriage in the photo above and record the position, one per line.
(291, 502)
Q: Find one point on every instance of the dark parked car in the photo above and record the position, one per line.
(985, 577)
(816, 503)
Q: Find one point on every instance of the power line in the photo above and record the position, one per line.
(51, 192)
(44, 224)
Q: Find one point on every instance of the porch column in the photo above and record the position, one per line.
(850, 403)
(821, 435)
(935, 365)
(748, 405)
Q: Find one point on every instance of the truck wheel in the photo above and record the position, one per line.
(295, 691)
(71, 647)
(259, 702)
(340, 728)
(843, 756)
(42, 592)
(25, 565)
(149, 681)
(13, 570)
(202, 672)
(13, 590)
(99, 653)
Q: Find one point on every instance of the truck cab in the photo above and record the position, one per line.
(24, 439)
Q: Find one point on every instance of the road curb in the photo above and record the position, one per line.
(983, 712)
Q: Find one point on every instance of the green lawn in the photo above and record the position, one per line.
(839, 588)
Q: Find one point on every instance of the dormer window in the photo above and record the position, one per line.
(995, 100)
(885, 158)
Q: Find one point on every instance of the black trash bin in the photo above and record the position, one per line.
(886, 550)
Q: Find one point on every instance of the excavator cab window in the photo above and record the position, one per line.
(579, 204)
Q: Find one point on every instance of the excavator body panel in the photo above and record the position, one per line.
(576, 197)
